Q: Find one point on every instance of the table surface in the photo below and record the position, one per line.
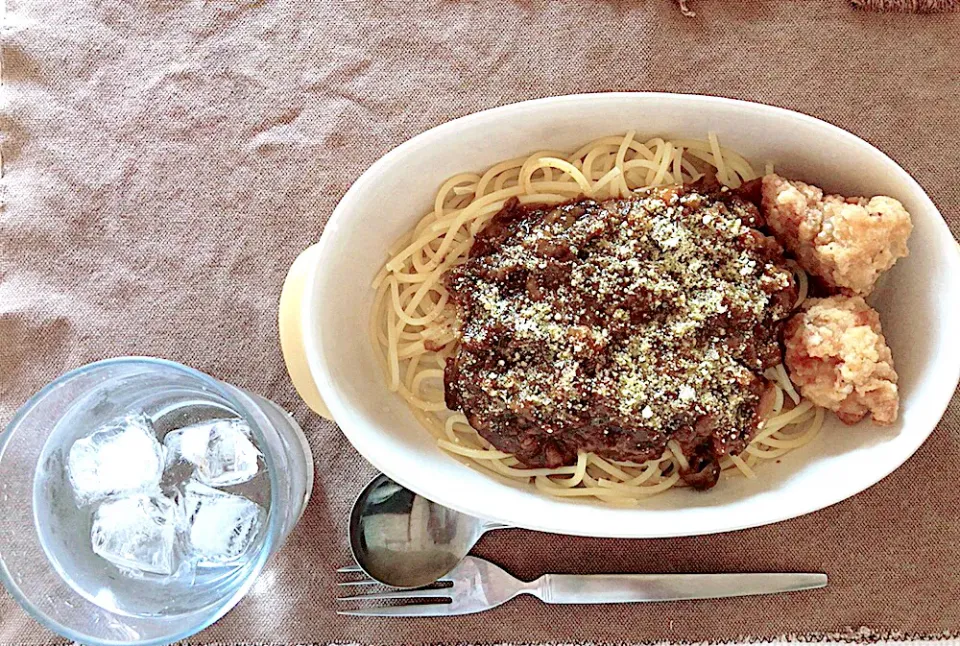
(164, 163)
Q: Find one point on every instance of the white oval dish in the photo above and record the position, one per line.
(326, 308)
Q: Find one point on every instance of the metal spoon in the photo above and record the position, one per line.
(403, 540)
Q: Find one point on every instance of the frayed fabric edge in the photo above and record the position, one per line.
(908, 6)
(862, 635)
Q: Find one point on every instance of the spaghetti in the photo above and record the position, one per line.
(412, 326)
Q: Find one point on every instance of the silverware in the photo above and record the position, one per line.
(403, 540)
(479, 585)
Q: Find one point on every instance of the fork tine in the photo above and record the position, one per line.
(420, 610)
(442, 593)
(347, 584)
(349, 568)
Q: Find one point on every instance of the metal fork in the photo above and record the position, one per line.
(479, 585)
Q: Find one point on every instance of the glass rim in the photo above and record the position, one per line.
(257, 565)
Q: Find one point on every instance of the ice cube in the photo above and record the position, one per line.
(138, 533)
(222, 526)
(220, 449)
(118, 458)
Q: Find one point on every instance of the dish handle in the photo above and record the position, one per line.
(291, 331)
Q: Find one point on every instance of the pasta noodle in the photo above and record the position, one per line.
(412, 326)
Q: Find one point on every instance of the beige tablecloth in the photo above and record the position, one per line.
(166, 160)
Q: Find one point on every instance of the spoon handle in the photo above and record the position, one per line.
(489, 525)
(632, 588)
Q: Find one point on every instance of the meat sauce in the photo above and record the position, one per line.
(614, 327)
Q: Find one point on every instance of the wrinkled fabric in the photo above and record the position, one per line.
(166, 160)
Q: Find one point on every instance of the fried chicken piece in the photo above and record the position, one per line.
(838, 358)
(846, 241)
